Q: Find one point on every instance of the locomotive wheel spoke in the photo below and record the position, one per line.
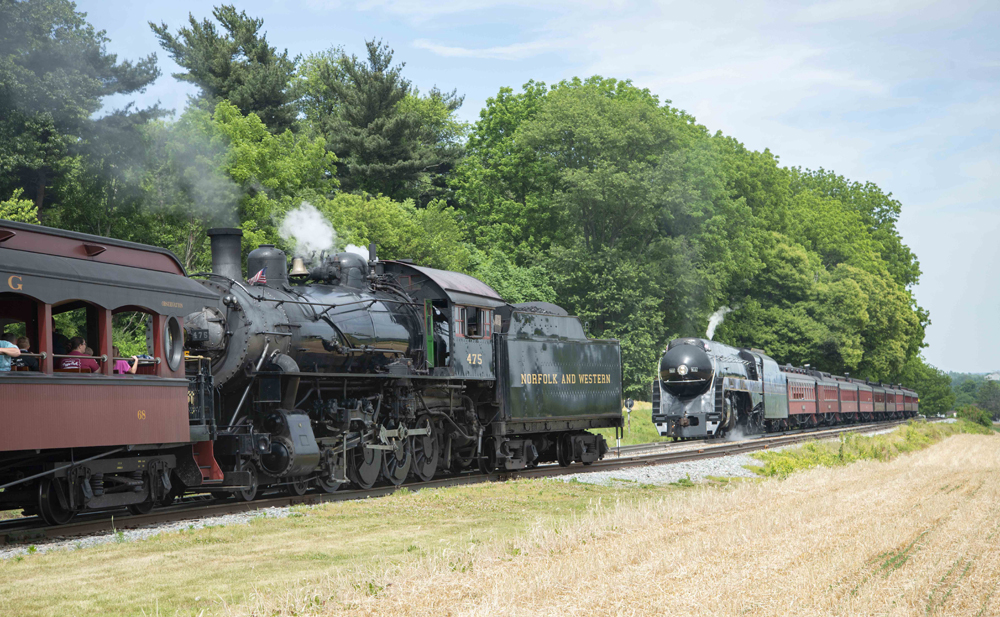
(426, 451)
(249, 493)
(363, 466)
(328, 485)
(396, 463)
(296, 487)
(49, 508)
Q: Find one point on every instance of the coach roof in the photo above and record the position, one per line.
(73, 245)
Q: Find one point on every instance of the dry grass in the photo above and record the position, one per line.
(208, 571)
(914, 536)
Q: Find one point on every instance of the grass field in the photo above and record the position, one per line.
(640, 430)
(918, 534)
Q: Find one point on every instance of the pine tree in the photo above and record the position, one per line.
(237, 65)
(389, 139)
(54, 71)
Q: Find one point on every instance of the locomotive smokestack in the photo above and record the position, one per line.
(372, 257)
(226, 252)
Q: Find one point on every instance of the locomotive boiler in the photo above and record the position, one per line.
(707, 389)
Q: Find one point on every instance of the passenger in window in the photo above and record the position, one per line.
(122, 367)
(60, 344)
(25, 346)
(8, 351)
(78, 347)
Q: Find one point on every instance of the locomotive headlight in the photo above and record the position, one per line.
(682, 370)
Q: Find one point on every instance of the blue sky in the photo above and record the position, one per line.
(905, 93)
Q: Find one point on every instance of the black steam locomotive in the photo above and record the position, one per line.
(359, 369)
(354, 371)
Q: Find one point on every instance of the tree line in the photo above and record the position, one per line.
(591, 192)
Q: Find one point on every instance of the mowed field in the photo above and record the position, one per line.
(916, 535)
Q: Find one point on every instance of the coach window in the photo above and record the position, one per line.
(19, 321)
(133, 336)
(77, 318)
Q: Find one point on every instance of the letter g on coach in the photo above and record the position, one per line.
(15, 286)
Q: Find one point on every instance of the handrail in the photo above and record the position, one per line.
(102, 358)
(141, 360)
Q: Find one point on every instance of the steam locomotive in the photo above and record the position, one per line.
(707, 389)
(354, 371)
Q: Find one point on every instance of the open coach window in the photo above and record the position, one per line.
(19, 327)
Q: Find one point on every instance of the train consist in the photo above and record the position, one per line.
(354, 371)
(707, 389)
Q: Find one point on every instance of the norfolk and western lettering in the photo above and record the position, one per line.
(565, 378)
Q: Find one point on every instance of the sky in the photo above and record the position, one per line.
(903, 93)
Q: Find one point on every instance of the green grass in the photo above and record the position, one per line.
(641, 430)
(853, 447)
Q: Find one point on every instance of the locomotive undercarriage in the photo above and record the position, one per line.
(397, 432)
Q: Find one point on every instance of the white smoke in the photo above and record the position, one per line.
(309, 230)
(360, 250)
(714, 321)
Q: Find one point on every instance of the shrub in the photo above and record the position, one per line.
(976, 415)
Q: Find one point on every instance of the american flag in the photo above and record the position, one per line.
(260, 278)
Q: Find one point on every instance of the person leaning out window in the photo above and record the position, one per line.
(8, 350)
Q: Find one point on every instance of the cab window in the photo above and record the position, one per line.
(476, 322)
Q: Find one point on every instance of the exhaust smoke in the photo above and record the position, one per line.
(716, 319)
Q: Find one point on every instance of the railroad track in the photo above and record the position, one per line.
(817, 433)
(29, 529)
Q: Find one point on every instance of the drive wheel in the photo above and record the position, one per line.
(49, 508)
(296, 487)
(250, 492)
(363, 465)
(564, 451)
(328, 485)
(396, 463)
(426, 451)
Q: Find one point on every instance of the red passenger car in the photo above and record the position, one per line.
(120, 436)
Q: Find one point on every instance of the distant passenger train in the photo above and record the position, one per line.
(708, 389)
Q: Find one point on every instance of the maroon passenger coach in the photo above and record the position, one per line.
(120, 436)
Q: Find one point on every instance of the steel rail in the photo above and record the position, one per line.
(19, 531)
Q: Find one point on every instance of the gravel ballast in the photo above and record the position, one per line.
(132, 535)
(725, 467)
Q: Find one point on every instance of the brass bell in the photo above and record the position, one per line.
(298, 268)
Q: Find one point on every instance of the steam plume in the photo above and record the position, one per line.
(309, 230)
(360, 250)
(716, 319)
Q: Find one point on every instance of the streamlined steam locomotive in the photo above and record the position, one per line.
(356, 370)
(707, 389)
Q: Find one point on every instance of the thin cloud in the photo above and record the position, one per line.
(516, 51)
